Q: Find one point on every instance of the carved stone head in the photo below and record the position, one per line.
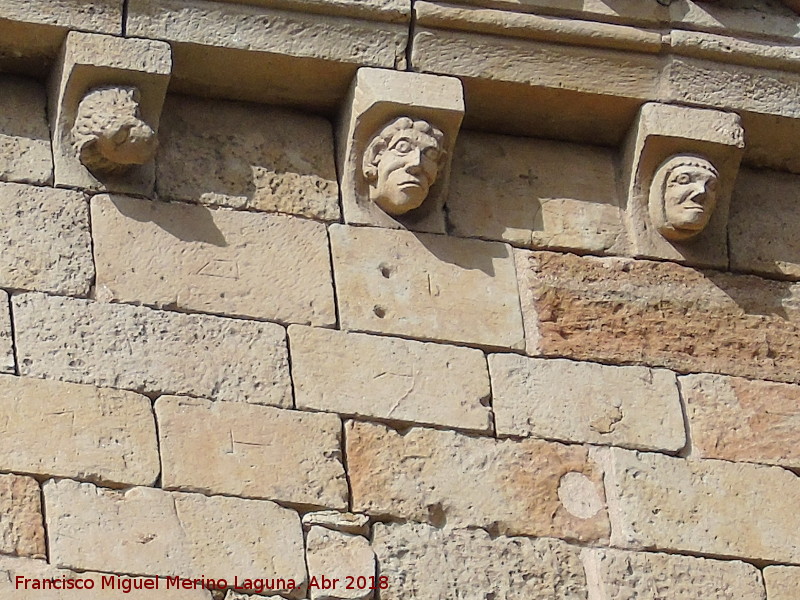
(401, 164)
(109, 134)
(683, 196)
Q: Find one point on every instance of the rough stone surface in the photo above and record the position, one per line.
(190, 257)
(69, 430)
(21, 528)
(530, 487)
(632, 407)
(340, 556)
(7, 361)
(705, 506)
(24, 135)
(390, 378)
(274, 160)
(151, 351)
(782, 582)
(46, 244)
(153, 532)
(426, 286)
(425, 562)
(661, 314)
(103, 16)
(12, 567)
(251, 451)
(741, 420)
(618, 575)
(337, 521)
(535, 193)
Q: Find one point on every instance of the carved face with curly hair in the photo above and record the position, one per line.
(401, 164)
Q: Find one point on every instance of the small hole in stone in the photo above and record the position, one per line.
(379, 311)
(386, 271)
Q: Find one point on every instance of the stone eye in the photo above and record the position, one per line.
(683, 179)
(432, 154)
(403, 146)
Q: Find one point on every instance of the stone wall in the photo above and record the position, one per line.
(214, 368)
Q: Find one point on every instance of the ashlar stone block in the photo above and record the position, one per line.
(152, 532)
(397, 133)
(251, 451)
(342, 557)
(782, 582)
(426, 286)
(151, 351)
(710, 507)
(390, 378)
(337, 521)
(235, 263)
(25, 154)
(69, 430)
(275, 160)
(46, 244)
(7, 361)
(426, 562)
(679, 170)
(105, 105)
(530, 487)
(21, 527)
(633, 407)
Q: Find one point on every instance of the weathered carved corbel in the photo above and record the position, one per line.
(396, 137)
(679, 168)
(106, 96)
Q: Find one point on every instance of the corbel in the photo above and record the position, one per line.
(396, 136)
(106, 96)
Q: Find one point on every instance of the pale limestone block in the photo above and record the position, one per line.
(392, 11)
(337, 521)
(21, 527)
(632, 407)
(535, 193)
(709, 507)
(424, 562)
(274, 160)
(7, 361)
(69, 430)
(616, 310)
(763, 223)
(390, 378)
(742, 420)
(530, 487)
(105, 104)
(427, 286)
(25, 154)
(151, 351)
(46, 242)
(228, 262)
(755, 18)
(618, 575)
(342, 558)
(782, 582)
(102, 584)
(152, 532)
(679, 168)
(384, 183)
(102, 16)
(231, 595)
(251, 451)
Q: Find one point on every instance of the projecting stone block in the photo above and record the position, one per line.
(105, 104)
(390, 378)
(614, 574)
(274, 160)
(425, 562)
(530, 487)
(24, 135)
(741, 420)
(69, 430)
(46, 244)
(153, 532)
(633, 407)
(397, 133)
(251, 451)
(679, 169)
(228, 262)
(21, 529)
(344, 557)
(151, 351)
(662, 314)
(535, 193)
(709, 507)
(7, 362)
(431, 287)
(782, 582)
